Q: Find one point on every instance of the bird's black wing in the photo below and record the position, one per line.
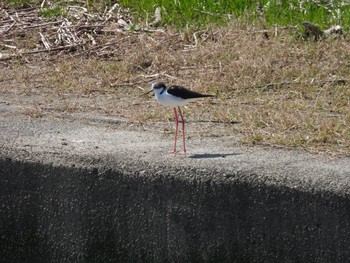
(184, 93)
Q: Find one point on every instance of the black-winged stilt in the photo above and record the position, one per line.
(175, 96)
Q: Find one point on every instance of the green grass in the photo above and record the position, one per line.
(295, 12)
(52, 12)
(194, 13)
(190, 13)
(200, 13)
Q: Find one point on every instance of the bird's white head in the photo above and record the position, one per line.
(158, 88)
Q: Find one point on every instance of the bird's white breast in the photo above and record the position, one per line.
(169, 100)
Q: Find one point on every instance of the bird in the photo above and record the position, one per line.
(176, 97)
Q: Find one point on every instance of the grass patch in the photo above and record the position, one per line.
(52, 12)
(199, 14)
(318, 12)
(194, 13)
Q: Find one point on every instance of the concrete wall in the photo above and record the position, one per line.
(68, 214)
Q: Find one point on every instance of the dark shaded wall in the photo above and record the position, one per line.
(66, 214)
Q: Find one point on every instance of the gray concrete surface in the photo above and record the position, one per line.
(90, 190)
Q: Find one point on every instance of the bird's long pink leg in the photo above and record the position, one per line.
(183, 130)
(176, 130)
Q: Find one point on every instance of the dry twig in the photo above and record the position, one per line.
(79, 29)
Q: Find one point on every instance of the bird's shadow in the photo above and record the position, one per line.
(212, 155)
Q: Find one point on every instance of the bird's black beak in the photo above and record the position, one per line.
(146, 93)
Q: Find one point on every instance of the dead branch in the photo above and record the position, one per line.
(21, 53)
(312, 31)
(334, 30)
(157, 17)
